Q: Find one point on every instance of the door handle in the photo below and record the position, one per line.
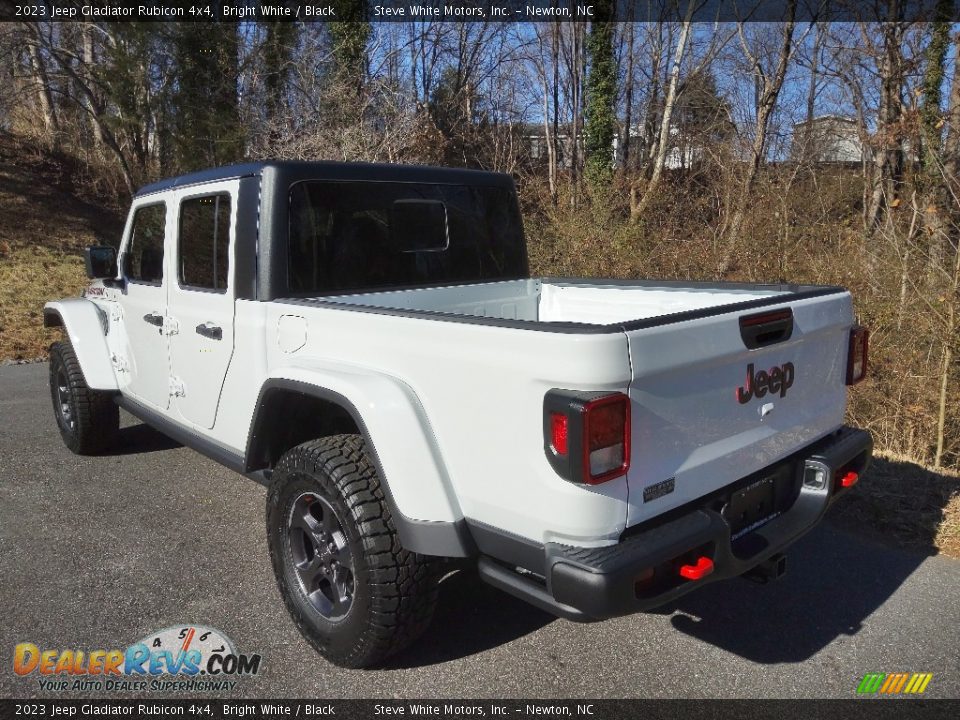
(154, 319)
(210, 330)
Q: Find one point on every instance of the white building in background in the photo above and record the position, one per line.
(827, 139)
(682, 153)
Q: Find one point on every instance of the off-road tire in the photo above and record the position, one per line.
(90, 424)
(394, 591)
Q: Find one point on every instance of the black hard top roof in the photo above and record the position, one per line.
(296, 170)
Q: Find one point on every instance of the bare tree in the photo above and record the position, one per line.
(66, 63)
(769, 83)
(545, 59)
(44, 94)
(639, 205)
(888, 161)
(950, 329)
(628, 86)
(641, 194)
(952, 139)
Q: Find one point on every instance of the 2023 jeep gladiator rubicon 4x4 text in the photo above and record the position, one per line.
(366, 340)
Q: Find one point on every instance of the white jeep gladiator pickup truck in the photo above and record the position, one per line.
(366, 341)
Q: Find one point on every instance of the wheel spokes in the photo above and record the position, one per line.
(309, 570)
(304, 522)
(342, 555)
(329, 522)
(343, 583)
(64, 400)
(320, 555)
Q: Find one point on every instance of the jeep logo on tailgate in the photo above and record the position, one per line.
(776, 379)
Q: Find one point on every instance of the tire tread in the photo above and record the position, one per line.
(403, 584)
(97, 415)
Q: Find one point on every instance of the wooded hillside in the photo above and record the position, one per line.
(796, 151)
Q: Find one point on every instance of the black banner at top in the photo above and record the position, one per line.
(480, 10)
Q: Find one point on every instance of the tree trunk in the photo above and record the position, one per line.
(663, 138)
(555, 60)
(551, 148)
(89, 59)
(814, 72)
(44, 95)
(601, 98)
(933, 186)
(887, 170)
(766, 103)
(575, 68)
(650, 124)
(628, 96)
(949, 339)
(952, 140)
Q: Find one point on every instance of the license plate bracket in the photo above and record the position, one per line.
(751, 507)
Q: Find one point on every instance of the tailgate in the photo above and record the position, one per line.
(697, 422)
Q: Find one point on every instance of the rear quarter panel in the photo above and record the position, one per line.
(481, 388)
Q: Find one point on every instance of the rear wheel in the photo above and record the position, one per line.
(88, 419)
(354, 593)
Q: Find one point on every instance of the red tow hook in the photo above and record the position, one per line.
(848, 480)
(703, 567)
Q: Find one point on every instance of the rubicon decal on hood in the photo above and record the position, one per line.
(777, 379)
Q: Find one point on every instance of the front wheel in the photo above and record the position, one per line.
(89, 420)
(354, 593)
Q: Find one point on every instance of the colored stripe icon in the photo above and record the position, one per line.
(894, 683)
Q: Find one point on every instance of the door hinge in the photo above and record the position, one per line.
(171, 326)
(119, 363)
(177, 388)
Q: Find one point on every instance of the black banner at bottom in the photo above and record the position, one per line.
(893, 709)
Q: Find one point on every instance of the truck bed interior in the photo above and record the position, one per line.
(564, 301)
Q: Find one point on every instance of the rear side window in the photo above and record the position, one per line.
(360, 235)
(143, 260)
(203, 242)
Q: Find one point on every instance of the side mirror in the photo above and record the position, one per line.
(419, 226)
(101, 262)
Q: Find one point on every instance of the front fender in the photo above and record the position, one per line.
(84, 325)
(402, 445)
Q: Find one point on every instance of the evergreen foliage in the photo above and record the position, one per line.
(601, 119)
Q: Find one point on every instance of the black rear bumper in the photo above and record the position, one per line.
(642, 571)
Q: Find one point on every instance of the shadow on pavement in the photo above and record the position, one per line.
(872, 540)
(834, 582)
(471, 617)
(905, 505)
(142, 438)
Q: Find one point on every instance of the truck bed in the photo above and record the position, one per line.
(559, 304)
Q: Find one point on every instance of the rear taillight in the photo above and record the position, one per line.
(607, 432)
(857, 355)
(558, 433)
(587, 435)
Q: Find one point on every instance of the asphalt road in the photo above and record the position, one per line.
(95, 553)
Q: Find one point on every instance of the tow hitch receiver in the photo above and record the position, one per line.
(700, 569)
(769, 570)
(848, 479)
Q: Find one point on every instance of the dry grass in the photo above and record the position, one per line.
(905, 504)
(29, 277)
(44, 225)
